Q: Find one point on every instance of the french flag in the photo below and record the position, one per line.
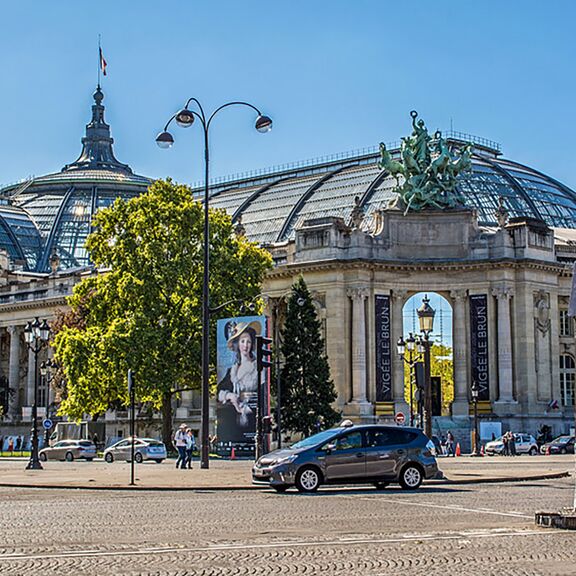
(103, 62)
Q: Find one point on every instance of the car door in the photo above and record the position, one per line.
(346, 457)
(122, 450)
(55, 452)
(386, 451)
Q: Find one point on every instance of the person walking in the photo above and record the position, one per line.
(511, 443)
(190, 446)
(180, 443)
(450, 444)
(506, 449)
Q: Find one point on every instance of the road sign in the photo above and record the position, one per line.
(400, 418)
(47, 423)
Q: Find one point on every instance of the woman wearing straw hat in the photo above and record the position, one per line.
(240, 385)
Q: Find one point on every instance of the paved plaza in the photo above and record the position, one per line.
(479, 528)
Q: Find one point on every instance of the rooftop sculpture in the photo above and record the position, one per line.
(429, 170)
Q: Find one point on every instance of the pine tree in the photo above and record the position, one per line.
(307, 389)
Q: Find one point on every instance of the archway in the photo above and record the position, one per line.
(441, 355)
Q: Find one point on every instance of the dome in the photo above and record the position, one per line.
(271, 204)
(52, 214)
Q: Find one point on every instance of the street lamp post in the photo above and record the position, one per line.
(185, 118)
(411, 345)
(46, 371)
(426, 320)
(36, 335)
(475, 390)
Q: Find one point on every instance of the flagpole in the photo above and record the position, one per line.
(99, 59)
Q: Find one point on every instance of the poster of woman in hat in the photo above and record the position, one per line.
(238, 377)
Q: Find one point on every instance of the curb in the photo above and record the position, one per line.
(245, 488)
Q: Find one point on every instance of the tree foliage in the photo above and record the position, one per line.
(144, 311)
(307, 389)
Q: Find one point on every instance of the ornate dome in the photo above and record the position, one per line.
(270, 205)
(52, 214)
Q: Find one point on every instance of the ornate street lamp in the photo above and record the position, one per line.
(36, 335)
(475, 391)
(410, 345)
(47, 369)
(185, 118)
(426, 320)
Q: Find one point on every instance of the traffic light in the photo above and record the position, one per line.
(263, 353)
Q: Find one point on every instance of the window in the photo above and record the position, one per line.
(389, 437)
(567, 379)
(566, 324)
(349, 441)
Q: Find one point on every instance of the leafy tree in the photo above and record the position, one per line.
(307, 389)
(144, 311)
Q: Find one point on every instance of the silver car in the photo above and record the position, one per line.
(523, 443)
(69, 450)
(144, 449)
(371, 454)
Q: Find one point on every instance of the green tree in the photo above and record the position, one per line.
(145, 311)
(307, 389)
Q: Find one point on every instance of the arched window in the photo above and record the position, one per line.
(567, 379)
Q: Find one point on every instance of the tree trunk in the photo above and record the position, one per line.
(167, 421)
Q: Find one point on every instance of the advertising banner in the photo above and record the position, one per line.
(479, 344)
(237, 395)
(383, 349)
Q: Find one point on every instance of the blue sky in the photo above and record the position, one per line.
(335, 75)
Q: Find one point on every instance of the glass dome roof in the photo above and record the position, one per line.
(55, 211)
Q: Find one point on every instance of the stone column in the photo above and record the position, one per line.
(505, 389)
(400, 404)
(359, 405)
(461, 352)
(14, 371)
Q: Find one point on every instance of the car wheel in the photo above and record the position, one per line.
(533, 451)
(69, 457)
(381, 485)
(43, 457)
(308, 479)
(411, 477)
(159, 460)
(563, 451)
(109, 457)
(138, 458)
(280, 488)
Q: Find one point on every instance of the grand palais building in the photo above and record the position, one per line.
(502, 263)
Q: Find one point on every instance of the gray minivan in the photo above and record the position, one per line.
(370, 454)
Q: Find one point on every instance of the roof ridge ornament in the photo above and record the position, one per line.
(429, 168)
(97, 152)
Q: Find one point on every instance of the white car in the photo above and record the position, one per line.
(144, 449)
(524, 443)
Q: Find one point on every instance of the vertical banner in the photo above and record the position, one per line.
(383, 349)
(479, 344)
(237, 395)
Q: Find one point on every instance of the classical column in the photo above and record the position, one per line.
(505, 390)
(358, 296)
(460, 350)
(14, 370)
(400, 404)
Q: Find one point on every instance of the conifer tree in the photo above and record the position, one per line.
(307, 389)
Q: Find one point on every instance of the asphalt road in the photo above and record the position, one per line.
(482, 529)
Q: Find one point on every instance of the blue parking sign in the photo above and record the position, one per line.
(47, 423)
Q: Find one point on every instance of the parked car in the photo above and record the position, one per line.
(525, 444)
(144, 449)
(69, 450)
(372, 454)
(560, 445)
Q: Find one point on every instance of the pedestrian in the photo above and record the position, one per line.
(180, 443)
(190, 446)
(18, 447)
(506, 447)
(10, 445)
(512, 443)
(450, 444)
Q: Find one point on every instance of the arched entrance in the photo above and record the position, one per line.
(441, 356)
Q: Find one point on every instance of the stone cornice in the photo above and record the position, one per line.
(288, 270)
(33, 304)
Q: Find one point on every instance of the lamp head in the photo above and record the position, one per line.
(44, 331)
(185, 118)
(28, 334)
(164, 140)
(401, 346)
(263, 124)
(426, 316)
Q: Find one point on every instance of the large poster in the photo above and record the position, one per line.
(479, 344)
(383, 349)
(237, 395)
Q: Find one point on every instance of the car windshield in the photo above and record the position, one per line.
(319, 438)
(561, 440)
(154, 443)
(85, 443)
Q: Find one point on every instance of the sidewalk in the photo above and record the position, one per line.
(236, 474)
